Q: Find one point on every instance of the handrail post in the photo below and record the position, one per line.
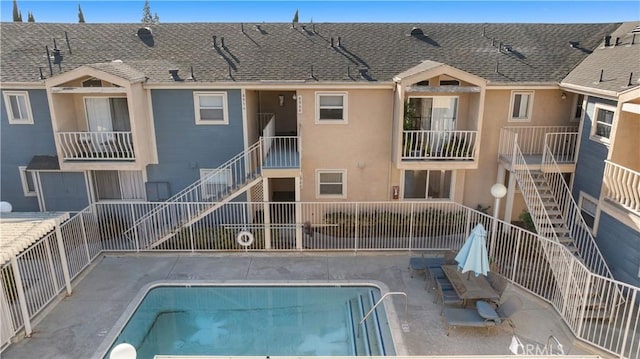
(516, 255)
(626, 328)
(266, 214)
(515, 149)
(190, 227)
(412, 212)
(356, 229)
(22, 298)
(47, 248)
(583, 309)
(63, 259)
(136, 239)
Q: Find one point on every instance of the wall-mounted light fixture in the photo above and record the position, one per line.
(563, 96)
(281, 97)
(294, 97)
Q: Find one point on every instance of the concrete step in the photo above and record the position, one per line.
(556, 220)
(596, 314)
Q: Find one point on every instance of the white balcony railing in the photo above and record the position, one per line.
(439, 145)
(281, 152)
(532, 140)
(105, 146)
(562, 145)
(622, 185)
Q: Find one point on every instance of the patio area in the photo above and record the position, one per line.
(78, 324)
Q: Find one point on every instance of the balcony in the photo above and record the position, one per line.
(532, 141)
(281, 152)
(429, 145)
(96, 146)
(622, 186)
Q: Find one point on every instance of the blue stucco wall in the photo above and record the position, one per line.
(183, 146)
(620, 246)
(590, 166)
(64, 191)
(19, 143)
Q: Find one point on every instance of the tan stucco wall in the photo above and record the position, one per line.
(142, 127)
(548, 110)
(252, 116)
(66, 118)
(625, 145)
(366, 139)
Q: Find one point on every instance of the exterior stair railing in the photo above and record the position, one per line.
(220, 185)
(573, 285)
(580, 242)
(534, 202)
(578, 229)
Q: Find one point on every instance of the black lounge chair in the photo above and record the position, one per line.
(483, 316)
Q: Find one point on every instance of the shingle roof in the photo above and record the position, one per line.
(617, 61)
(125, 71)
(43, 163)
(540, 52)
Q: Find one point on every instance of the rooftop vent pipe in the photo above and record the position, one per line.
(66, 36)
(417, 32)
(607, 41)
(174, 74)
(144, 32)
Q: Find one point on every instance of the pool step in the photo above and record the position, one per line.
(356, 313)
(367, 337)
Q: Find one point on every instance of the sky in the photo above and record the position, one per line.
(452, 11)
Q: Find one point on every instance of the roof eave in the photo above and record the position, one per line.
(23, 85)
(612, 95)
(279, 84)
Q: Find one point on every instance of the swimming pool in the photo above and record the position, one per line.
(257, 320)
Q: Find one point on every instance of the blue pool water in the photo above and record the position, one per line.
(258, 320)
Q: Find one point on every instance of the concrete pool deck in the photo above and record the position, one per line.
(78, 324)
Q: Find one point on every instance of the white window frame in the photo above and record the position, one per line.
(122, 179)
(7, 103)
(345, 108)
(527, 118)
(574, 108)
(594, 123)
(205, 172)
(25, 184)
(586, 197)
(344, 183)
(225, 106)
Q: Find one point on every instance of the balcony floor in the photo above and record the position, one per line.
(281, 158)
(534, 162)
(77, 325)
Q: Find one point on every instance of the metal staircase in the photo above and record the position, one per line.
(199, 199)
(556, 216)
(553, 210)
